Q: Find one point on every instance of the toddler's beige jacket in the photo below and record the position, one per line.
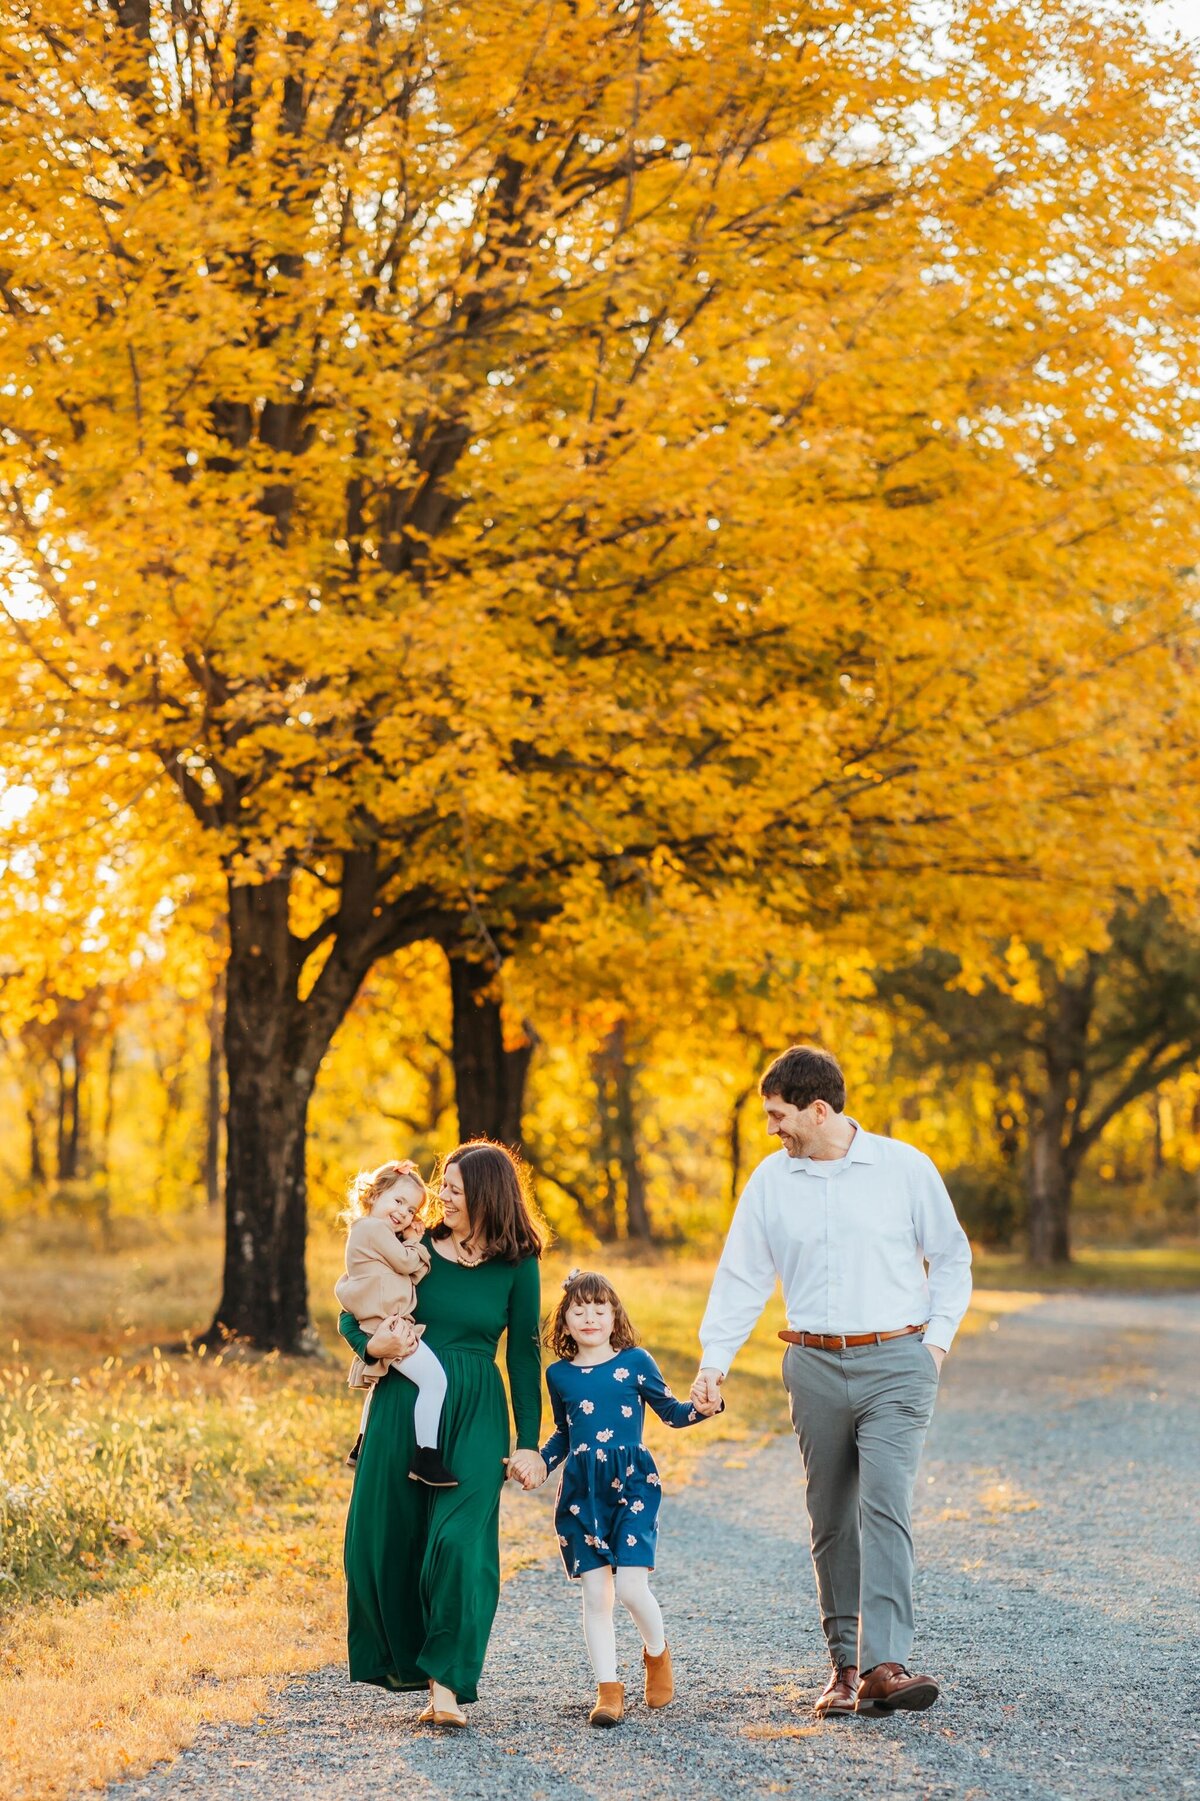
(382, 1273)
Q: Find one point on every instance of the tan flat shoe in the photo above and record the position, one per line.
(441, 1716)
(610, 1705)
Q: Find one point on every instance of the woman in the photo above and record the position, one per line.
(423, 1565)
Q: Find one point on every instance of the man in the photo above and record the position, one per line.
(848, 1220)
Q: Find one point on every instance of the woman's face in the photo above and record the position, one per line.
(453, 1197)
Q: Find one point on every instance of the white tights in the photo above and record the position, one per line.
(632, 1589)
(424, 1369)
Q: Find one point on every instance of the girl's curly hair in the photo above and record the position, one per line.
(585, 1285)
(369, 1184)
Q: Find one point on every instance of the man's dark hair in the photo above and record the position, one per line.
(802, 1075)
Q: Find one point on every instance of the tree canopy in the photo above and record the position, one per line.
(482, 458)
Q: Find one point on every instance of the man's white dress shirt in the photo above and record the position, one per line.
(850, 1239)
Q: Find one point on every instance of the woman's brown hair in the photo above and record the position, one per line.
(504, 1221)
(585, 1285)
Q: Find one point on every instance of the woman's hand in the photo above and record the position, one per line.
(527, 1468)
(393, 1341)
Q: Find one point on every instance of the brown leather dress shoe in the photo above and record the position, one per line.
(836, 1699)
(889, 1688)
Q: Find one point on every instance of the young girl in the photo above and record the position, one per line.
(385, 1260)
(608, 1500)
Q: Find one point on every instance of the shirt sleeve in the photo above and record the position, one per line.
(743, 1284)
(523, 1354)
(558, 1443)
(653, 1389)
(355, 1337)
(946, 1249)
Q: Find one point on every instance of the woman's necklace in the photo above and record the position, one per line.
(467, 1262)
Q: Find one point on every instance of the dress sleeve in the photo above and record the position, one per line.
(355, 1337)
(558, 1443)
(523, 1356)
(654, 1391)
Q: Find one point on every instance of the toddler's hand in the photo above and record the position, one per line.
(394, 1339)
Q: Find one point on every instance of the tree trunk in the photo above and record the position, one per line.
(1051, 1180)
(104, 1154)
(264, 1297)
(212, 1106)
(64, 1169)
(106, 1118)
(735, 1144)
(629, 1150)
(68, 1064)
(37, 1167)
(619, 1135)
(489, 1081)
(274, 1044)
(78, 1097)
(1055, 1147)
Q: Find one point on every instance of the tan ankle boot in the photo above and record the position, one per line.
(660, 1678)
(610, 1704)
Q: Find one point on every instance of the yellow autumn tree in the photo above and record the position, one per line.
(460, 447)
(110, 960)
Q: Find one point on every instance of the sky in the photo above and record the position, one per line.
(1183, 15)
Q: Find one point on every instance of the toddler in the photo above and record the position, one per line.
(385, 1260)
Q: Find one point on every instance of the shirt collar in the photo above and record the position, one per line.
(862, 1150)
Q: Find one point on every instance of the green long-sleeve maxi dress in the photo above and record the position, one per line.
(422, 1564)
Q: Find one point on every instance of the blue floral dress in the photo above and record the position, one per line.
(608, 1499)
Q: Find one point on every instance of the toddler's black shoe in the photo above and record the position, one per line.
(427, 1467)
(353, 1457)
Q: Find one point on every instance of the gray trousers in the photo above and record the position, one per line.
(861, 1416)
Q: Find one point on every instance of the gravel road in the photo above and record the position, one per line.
(1058, 1549)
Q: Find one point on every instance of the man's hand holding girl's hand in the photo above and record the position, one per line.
(527, 1468)
(706, 1391)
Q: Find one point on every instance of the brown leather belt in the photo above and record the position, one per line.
(838, 1341)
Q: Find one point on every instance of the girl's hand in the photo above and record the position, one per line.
(527, 1468)
(394, 1340)
(706, 1392)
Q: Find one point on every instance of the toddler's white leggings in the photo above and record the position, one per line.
(632, 1588)
(424, 1369)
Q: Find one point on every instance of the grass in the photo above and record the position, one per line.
(1161, 1269)
(171, 1522)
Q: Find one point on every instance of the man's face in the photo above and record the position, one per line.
(796, 1128)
